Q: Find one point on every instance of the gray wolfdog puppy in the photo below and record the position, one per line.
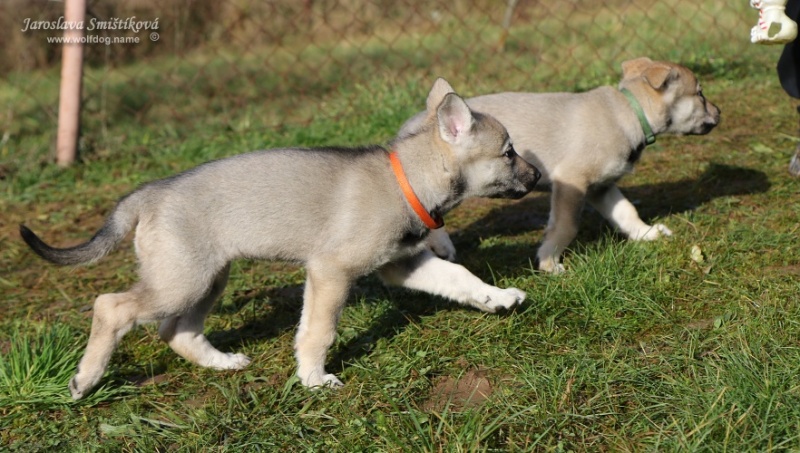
(343, 213)
(585, 142)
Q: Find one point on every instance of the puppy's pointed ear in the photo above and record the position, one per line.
(440, 89)
(455, 119)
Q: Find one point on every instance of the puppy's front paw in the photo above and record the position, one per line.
(650, 233)
(229, 361)
(331, 381)
(663, 229)
(316, 381)
(499, 299)
(551, 266)
(75, 389)
(84, 381)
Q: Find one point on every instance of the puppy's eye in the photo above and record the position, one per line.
(510, 153)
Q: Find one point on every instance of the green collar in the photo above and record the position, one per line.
(649, 136)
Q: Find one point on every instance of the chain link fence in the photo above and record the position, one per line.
(227, 55)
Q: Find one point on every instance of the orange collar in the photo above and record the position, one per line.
(411, 197)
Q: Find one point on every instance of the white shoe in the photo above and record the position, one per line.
(771, 13)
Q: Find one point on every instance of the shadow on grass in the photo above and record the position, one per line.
(275, 310)
(657, 200)
(719, 180)
(284, 305)
(652, 201)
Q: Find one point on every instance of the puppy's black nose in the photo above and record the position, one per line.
(531, 183)
(526, 172)
(532, 178)
(537, 175)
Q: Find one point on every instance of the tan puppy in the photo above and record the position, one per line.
(585, 142)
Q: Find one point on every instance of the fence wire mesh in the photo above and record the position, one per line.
(228, 55)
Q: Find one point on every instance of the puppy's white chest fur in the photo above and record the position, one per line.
(613, 170)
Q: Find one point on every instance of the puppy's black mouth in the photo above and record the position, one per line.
(702, 129)
(516, 195)
(526, 180)
(711, 121)
(705, 128)
(512, 194)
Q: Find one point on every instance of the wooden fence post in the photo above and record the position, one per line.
(69, 103)
(501, 43)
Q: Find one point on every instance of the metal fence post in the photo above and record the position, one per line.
(69, 104)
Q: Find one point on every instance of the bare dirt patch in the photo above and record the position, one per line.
(459, 393)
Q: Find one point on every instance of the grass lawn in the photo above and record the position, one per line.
(689, 343)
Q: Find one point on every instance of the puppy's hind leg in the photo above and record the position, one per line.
(562, 226)
(184, 332)
(114, 315)
(426, 272)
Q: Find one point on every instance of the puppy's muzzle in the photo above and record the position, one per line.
(710, 121)
(528, 176)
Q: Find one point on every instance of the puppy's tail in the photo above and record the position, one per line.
(117, 226)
